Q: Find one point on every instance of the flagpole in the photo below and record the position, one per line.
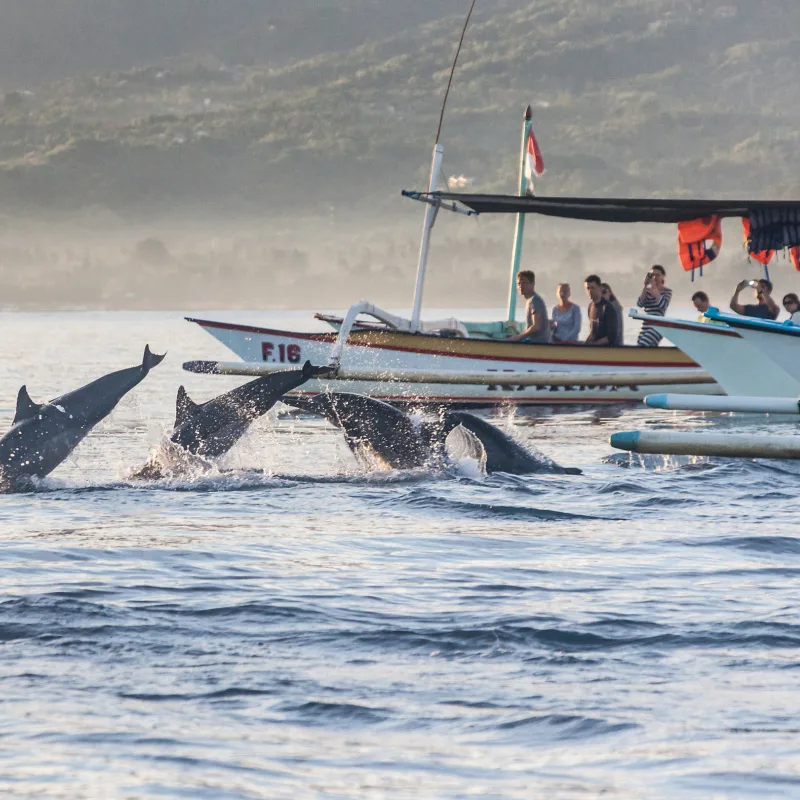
(516, 254)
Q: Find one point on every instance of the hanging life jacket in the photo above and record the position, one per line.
(762, 256)
(699, 241)
(794, 254)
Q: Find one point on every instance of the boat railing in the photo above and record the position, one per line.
(392, 320)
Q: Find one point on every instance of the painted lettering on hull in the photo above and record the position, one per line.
(281, 354)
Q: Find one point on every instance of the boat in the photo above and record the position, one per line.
(419, 368)
(451, 361)
(747, 357)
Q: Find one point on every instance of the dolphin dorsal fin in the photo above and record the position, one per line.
(185, 407)
(26, 408)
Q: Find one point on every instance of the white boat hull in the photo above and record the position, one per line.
(389, 350)
(743, 362)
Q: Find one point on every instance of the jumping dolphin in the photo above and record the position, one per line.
(373, 426)
(503, 453)
(404, 443)
(212, 428)
(43, 435)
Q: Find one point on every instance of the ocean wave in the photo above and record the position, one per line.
(779, 545)
(318, 712)
(423, 500)
(565, 726)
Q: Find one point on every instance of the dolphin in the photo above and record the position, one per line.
(404, 443)
(210, 429)
(503, 453)
(373, 427)
(43, 435)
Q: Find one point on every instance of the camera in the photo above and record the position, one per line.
(754, 284)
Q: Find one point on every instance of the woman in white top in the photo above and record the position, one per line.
(792, 304)
(565, 319)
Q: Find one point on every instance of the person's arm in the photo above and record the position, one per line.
(662, 300)
(772, 306)
(647, 291)
(531, 329)
(735, 305)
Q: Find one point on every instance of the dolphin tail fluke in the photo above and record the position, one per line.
(150, 360)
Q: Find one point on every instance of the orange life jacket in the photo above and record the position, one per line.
(794, 254)
(699, 241)
(762, 256)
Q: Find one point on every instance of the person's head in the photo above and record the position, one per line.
(791, 302)
(657, 275)
(526, 281)
(607, 292)
(763, 290)
(701, 301)
(563, 292)
(594, 288)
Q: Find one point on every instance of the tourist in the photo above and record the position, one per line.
(537, 326)
(654, 299)
(603, 319)
(764, 307)
(701, 303)
(792, 304)
(609, 295)
(566, 316)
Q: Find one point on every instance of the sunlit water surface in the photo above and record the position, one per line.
(314, 630)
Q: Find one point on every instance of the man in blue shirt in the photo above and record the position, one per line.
(765, 308)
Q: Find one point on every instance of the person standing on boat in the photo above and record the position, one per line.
(654, 299)
(608, 294)
(537, 326)
(764, 308)
(566, 316)
(603, 317)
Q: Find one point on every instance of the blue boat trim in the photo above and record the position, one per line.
(625, 440)
(787, 328)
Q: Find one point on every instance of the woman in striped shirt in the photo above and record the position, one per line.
(654, 299)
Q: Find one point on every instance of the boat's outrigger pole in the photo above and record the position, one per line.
(516, 254)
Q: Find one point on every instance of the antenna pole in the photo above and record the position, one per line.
(432, 209)
(516, 253)
(453, 70)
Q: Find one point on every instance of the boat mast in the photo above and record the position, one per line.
(432, 208)
(516, 253)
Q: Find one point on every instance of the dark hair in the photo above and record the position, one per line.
(593, 279)
(528, 274)
(659, 268)
(793, 297)
(766, 283)
(611, 295)
(700, 296)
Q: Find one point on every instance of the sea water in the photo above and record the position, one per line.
(294, 626)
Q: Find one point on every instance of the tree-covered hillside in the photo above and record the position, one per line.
(631, 96)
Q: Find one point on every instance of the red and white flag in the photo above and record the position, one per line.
(534, 163)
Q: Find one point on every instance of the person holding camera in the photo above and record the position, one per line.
(654, 299)
(764, 308)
